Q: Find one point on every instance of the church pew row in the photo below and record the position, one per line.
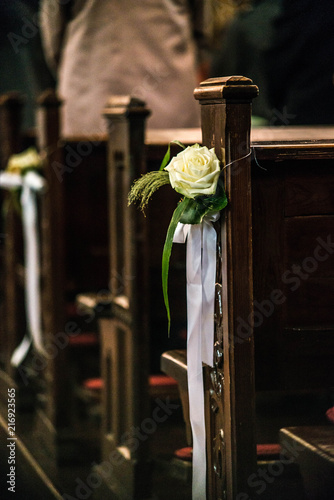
(270, 154)
(276, 353)
(134, 332)
(125, 333)
(293, 342)
(290, 336)
(74, 257)
(74, 248)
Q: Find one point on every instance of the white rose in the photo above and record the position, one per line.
(194, 171)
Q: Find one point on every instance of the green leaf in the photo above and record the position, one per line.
(176, 217)
(166, 158)
(201, 206)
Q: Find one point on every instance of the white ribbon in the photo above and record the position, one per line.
(31, 183)
(201, 278)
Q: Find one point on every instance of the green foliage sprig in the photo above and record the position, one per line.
(190, 210)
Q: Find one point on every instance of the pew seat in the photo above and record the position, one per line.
(264, 451)
(86, 339)
(159, 385)
(268, 451)
(330, 414)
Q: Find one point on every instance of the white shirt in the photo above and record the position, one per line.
(144, 48)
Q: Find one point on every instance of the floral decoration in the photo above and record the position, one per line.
(195, 173)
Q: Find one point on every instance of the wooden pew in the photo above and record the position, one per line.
(133, 335)
(292, 210)
(281, 158)
(125, 334)
(74, 257)
(292, 219)
(226, 115)
(229, 386)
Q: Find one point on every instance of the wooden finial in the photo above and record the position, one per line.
(228, 87)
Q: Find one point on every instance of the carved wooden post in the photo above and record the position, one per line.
(55, 413)
(125, 357)
(226, 114)
(12, 323)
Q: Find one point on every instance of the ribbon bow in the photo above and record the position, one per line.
(201, 278)
(31, 183)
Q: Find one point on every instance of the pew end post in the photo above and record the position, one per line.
(230, 393)
(229, 385)
(124, 332)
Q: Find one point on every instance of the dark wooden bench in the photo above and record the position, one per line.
(74, 257)
(74, 246)
(227, 119)
(134, 259)
(134, 332)
(292, 211)
(286, 190)
(256, 263)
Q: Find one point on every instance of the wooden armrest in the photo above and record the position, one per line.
(174, 364)
(93, 303)
(312, 449)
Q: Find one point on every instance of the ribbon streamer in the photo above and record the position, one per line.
(201, 278)
(31, 183)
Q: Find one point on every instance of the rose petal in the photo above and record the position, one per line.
(194, 171)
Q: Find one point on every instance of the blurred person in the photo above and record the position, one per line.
(287, 48)
(300, 63)
(243, 47)
(148, 49)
